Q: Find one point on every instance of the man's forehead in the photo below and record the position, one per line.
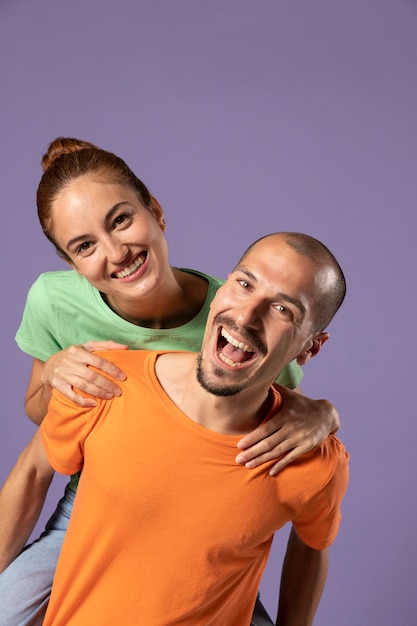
(271, 245)
(277, 266)
(272, 252)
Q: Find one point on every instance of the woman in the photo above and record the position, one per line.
(106, 225)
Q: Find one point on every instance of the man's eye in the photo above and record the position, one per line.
(243, 283)
(283, 309)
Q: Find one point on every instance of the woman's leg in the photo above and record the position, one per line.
(260, 616)
(25, 585)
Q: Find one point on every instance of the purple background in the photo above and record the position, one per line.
(244, 118)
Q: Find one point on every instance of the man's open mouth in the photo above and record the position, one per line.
(233, 352)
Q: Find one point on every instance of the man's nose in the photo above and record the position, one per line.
(249, 314)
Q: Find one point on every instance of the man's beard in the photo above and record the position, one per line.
(213, 388)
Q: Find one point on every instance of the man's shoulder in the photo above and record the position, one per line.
(129, 357)
(133, 361)
(333, 446)
(331, 452)
(333, 459)
(326, 463)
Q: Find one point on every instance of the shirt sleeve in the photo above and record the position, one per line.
(317, 521)
(64, 431)
(34, 335)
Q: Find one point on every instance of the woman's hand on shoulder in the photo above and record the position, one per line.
(77, 368)
(301, 424)
(70, 370)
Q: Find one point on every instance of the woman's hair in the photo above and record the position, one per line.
(68, 159)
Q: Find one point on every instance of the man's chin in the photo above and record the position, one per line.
(220, 391)
(216, 389)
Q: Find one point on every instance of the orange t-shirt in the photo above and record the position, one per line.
(167, 528)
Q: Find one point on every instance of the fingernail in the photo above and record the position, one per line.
(240, 458)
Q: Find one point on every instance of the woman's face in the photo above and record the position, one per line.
(111, 238)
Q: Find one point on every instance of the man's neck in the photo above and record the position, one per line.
(230, 415)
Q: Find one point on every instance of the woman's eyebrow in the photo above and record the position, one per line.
(75, 240)
(110, 213)
(108, 217)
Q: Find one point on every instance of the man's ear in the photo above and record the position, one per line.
(313, 348)
(158, 213)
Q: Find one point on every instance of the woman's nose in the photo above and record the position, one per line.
(116, 251)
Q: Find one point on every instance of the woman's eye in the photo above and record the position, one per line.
(83, 247)
(121, 219)
(243, 283)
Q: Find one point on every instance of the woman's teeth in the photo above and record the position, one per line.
(132, 267)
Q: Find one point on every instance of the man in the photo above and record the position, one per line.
(203, 525)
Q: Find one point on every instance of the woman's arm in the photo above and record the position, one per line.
(24, 491)
(301, 424)
(21, 499)
(69, 369)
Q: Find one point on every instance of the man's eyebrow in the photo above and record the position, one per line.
(280, 295)
(244, 270)
(80, 238)
(300, 306)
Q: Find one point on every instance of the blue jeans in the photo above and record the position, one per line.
(25, 586)
(260, 616)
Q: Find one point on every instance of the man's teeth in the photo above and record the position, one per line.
(132, 267)
(228, 361)
(234, 342)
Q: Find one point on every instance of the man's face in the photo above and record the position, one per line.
(260, 320)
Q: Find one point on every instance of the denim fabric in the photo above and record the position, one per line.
(260, 616)
(25, 586)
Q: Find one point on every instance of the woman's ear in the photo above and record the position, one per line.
(313, 348)
(158, 213)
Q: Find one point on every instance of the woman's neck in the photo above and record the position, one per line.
(178, 301)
